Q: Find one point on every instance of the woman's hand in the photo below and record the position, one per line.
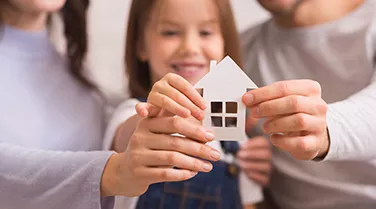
(295, 115)
(153, 155)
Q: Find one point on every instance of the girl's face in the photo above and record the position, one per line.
(36, 6)
(278, 7)
(181, 37)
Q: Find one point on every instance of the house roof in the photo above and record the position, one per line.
(227, 71)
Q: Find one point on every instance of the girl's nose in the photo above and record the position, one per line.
(190, 45)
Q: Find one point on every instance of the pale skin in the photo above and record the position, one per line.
(193, 39)
(28, 15)
(152, 152)
(179, 47)
(294, 111)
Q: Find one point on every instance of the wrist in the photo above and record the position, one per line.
(325, 144)
(110, 180)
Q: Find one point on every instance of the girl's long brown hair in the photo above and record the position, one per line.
(74, 15)
(138, 71)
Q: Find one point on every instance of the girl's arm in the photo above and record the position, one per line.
(123, 119)
(250, 192)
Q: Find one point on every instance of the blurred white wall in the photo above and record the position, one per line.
(107, 37)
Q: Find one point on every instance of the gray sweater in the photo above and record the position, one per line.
(340, 55)
(48, 120)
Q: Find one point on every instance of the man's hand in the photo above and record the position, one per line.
(295, 116)
(254, 158)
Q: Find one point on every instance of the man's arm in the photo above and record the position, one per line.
(352, 127)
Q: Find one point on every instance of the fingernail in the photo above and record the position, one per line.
(256, 111)
(184, 113)
(207, 166)
(198, 114)
(278, 133)
(209, 136)
(215, 155)
(203, 106)
(248, 99)
(202, 115)
(193, 173)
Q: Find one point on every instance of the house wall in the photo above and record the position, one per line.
(223, 84)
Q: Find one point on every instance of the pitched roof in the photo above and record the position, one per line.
(225, 72)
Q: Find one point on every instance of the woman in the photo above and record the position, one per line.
(51, 118)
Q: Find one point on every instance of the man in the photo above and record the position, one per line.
(329, 119)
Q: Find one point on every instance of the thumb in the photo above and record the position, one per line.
(144, 109)
(250, 123)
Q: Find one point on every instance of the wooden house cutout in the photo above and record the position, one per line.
(222, 88)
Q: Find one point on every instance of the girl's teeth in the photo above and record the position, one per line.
(188, 69)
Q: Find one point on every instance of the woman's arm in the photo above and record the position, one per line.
(51, 179)
(37, 179)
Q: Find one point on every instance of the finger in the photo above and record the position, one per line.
(156, 175)
(183, 145)
(172, 125)
(250, 123)
(255, 143)
(256, 155)
(294, 123)
(187, 89)
(301, 147)
(261, 167)
(260, 178)
(179, 98)
(165, 102)
(144, 109)
(282, 89)
(175, 159)
(290, 105)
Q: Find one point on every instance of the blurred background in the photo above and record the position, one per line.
(107, 20)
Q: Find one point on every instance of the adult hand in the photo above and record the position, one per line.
(295, 116)
(153, 155)
(254, 158)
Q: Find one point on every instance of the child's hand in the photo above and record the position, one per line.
(254, 158)
(295, 116)
(152, 153)
(174, 94)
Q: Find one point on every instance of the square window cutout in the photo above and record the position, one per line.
(232, 107)
(216, 121)
(200, 91)
(231, 121)
(216, 107)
